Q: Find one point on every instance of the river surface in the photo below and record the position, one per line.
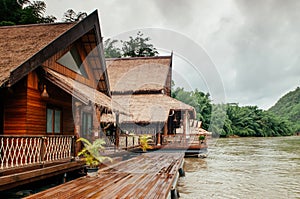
(245, 168)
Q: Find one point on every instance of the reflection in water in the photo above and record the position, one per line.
(245, 168)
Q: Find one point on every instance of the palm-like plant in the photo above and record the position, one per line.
(92, 152)
(144, 142)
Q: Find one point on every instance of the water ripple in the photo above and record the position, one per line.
(245, 168)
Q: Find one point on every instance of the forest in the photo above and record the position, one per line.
(288, 107)
(228, 120)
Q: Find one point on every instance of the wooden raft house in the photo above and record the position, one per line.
(53, 89)
(56, 86)
(142, 86)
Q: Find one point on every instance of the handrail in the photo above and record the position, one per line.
(27, 150)
(180, 138)
(125, 141)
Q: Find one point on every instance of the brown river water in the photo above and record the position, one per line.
(244, 168)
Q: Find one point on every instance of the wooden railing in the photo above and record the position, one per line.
(18, 151)
(190, 139)
(129, 141)
(125, 141)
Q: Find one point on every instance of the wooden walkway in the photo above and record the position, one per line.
(150, 175)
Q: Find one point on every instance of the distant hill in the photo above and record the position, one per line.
(288, 107)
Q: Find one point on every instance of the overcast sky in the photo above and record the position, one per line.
(244, 51)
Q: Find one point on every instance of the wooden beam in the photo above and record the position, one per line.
(13, 180)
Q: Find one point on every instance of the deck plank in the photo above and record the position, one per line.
(146, 176)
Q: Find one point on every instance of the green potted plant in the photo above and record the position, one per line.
(144, 142)
(201, 139)
(92, 154)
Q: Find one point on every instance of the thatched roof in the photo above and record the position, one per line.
(139, 74)
(83, 92)
(19, 43)
(80, 91)
(148, 108)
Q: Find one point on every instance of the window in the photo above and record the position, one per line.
(87, 122)
(54, 120)
(72, 61)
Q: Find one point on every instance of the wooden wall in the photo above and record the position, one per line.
(25, 110)
(93, 77)
(36, 108)
(1, 110)
(63, 101)
(15, 109)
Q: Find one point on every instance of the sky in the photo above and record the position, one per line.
(237, 50)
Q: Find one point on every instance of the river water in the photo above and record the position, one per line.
(245, 168)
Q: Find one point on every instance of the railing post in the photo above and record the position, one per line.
(42, 158)
(73, 148)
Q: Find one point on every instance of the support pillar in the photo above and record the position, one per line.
(96, 122)
(117, 131)
(77, 122)
(185, 123)
(166, 129)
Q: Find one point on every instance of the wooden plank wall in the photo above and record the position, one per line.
(25, 110)
(36, 108)
(15, 109)
(1, 110)
(51, 63)
(62, 100)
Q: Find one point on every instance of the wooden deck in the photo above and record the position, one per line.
(150, 175)
(25, 175)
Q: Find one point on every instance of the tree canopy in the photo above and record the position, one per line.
(14, 12)
(138, 46)
(288, 107)
(231, 119)
(71, 16)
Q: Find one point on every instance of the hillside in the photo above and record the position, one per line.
(288, 107)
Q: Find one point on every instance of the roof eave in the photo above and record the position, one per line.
(68, 36)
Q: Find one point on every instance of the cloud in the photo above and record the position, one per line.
(254, 45)
(262, 47)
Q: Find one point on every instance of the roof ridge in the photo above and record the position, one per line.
(134, 58)
(39, 24)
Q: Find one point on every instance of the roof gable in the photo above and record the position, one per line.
(20, 43)
(139, 74)
(51, 39)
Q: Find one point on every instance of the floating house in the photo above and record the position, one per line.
(142, 86)
(56, 86)
(53, 89)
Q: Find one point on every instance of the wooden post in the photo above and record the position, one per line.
(158, 135)
(117, 130)
(166, 129)
(77, 121)
(96, 122)
(185, 123)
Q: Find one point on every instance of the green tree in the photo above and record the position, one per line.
(231, 119)
(71, 16)
(23, 12)
(134, 47)
(111, 51)
(138, 47)
(199, 100)
(288, 107)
